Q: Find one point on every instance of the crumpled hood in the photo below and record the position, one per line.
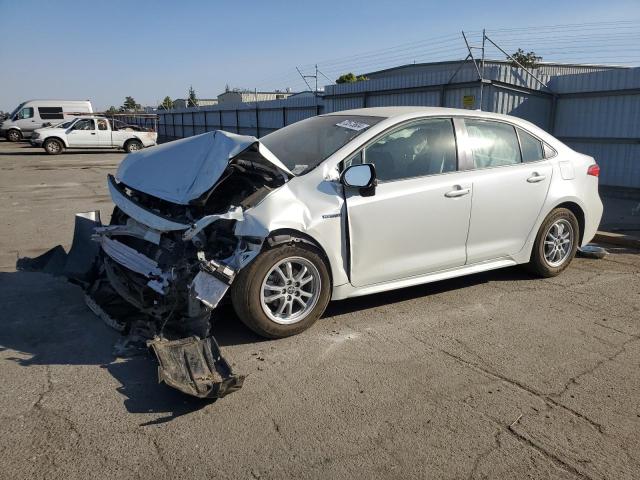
(183, 170)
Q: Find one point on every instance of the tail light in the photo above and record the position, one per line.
(594, 170)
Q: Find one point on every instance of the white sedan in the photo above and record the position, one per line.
(350, 203)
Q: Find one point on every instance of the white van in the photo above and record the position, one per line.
(34, 114)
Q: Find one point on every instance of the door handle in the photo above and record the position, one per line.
(459, 192)
(93, 133)
(535, 178)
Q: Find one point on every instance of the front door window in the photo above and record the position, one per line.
(424, 148)
(25, 113)
(85, 124)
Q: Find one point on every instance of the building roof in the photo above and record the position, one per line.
(252, 92)
(455, 63)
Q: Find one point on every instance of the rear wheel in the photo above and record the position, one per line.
(53, 146)
(283, 291)
(14, 135)
(133, 146)
(556, 243)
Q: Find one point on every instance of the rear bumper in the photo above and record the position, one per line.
(592, 215)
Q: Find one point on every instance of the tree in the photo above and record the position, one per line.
(350, 78)
(112, 110)
(527, 60)
(192, 100)
(130, 105)
(167, 103)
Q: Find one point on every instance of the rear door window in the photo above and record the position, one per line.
(492, 144)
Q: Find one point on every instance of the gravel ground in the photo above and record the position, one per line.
(496, 375)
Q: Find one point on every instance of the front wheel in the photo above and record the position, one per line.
(14, 135)
(53, 146)
(556, 243)
(133, 146)
(283, 291)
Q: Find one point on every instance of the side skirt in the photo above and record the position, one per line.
(341, 292)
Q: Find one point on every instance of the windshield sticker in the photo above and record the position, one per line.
(298, 169)
(351, 125)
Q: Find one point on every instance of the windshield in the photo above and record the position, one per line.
(65, 124)
(303, 145)
(17, 109)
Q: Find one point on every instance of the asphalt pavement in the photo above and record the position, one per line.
(496, 375)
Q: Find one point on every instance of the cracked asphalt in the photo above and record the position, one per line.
(497, 375)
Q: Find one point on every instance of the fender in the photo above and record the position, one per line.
(524, 255)
(318, 219)
(63, 140)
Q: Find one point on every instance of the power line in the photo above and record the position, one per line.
(571, 26)
(383, 50)
(575, 39)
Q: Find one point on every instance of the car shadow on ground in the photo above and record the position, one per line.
(46, 322)
(390, 297)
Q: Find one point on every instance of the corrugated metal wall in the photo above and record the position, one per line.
(256, 118)
(597, 113)
(534, 108)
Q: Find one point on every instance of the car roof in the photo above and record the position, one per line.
(399, 114)
(392, 115)
(390, 112)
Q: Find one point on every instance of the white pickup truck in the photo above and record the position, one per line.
(93, 132)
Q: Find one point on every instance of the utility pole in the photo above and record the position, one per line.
(304, 77)
(484, 36)
(475, 63)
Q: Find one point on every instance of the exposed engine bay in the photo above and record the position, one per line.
(164, 262)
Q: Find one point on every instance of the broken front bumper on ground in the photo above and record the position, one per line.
(166, 309)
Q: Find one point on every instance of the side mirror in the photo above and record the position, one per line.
(362, 176)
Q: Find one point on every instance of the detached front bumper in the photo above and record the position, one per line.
(129, 291)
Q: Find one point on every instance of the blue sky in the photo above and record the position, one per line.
(105, 50)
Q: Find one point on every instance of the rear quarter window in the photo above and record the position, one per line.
(532, 149)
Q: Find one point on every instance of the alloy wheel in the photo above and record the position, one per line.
(558, 243)
(290, 290)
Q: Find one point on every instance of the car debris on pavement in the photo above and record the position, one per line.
(155, 274)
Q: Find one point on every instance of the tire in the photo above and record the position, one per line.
(14, 135)
(251, 304)
(53, 146)
(544, 262)
(133, 146)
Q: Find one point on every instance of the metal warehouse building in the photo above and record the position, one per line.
(593, 108)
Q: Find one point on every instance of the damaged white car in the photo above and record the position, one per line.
(335, 206)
